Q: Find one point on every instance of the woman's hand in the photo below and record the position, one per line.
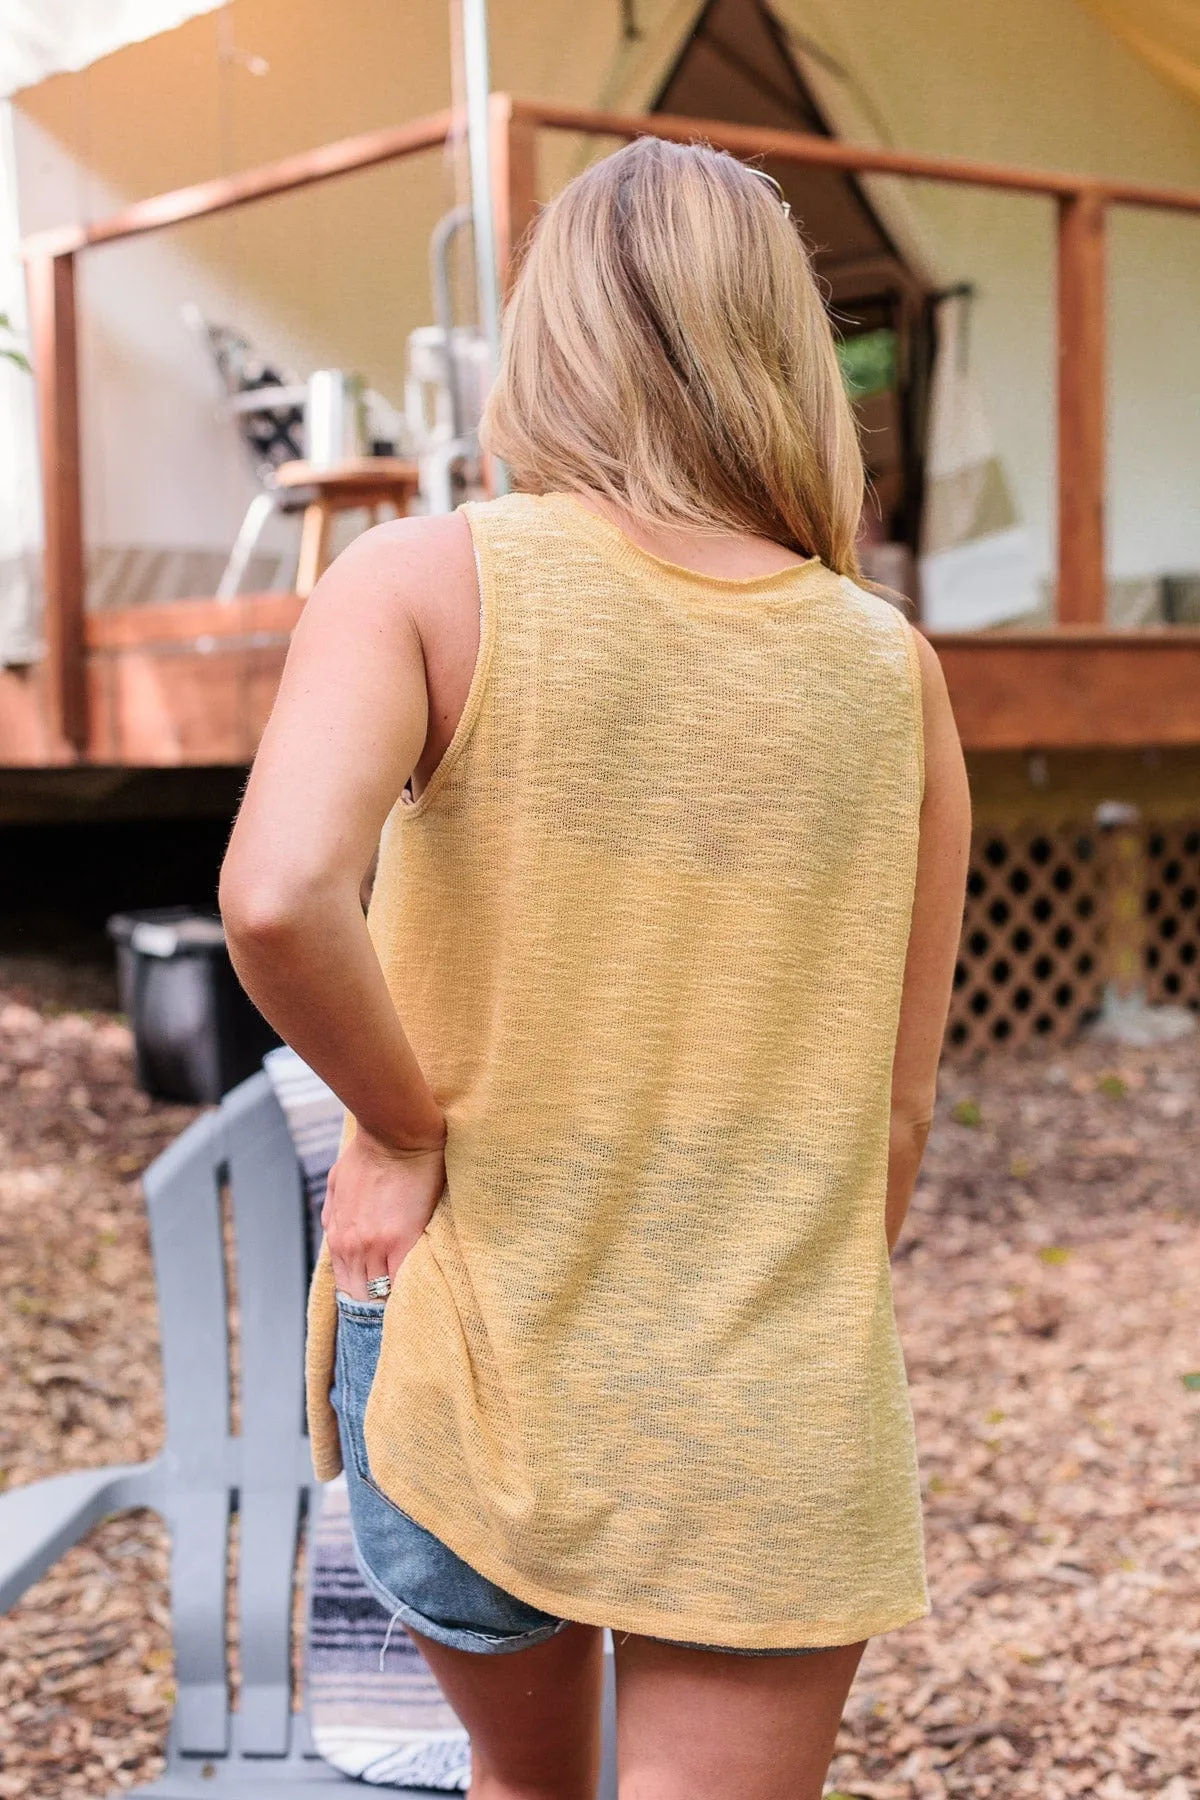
(378, 1202)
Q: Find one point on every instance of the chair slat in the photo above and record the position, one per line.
(269, 1529)
(199, 1521)
(269, 1225)
(269, 1221)
(183, 1200)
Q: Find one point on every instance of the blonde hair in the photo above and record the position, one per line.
(665, 345)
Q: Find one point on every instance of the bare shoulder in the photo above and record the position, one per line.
(945, 766)
(935, 695)
(927, 656)
(409, 578)
(404, 554)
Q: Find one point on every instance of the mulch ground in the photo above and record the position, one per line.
(1048, 1287)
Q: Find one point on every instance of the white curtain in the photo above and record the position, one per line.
(976, 562)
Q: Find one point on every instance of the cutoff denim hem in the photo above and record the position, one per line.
(419, 1580)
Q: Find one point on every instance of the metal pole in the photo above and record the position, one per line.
(478, 88)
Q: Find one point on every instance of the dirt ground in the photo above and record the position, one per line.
(1048, 1288)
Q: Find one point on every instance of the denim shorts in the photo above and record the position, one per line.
(411, 1573)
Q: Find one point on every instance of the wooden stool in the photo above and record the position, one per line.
(366, 484)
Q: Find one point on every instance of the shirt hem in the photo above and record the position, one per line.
(325, 1444)
(586, 1609)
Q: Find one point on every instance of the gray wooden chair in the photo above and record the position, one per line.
(207, 1470)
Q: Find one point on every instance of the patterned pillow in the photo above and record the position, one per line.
(375, 1709)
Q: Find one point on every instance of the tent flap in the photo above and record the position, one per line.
(45, 37)
(1164, 33)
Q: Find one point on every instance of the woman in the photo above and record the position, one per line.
(639, 1040)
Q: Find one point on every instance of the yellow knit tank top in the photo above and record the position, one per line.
(646, 930)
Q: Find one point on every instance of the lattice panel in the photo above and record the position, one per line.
(1030, 961)
(1172, 921)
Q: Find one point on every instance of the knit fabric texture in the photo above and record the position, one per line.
(646, 929)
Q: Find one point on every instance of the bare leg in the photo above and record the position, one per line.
(533, 1715)
(700, 1725)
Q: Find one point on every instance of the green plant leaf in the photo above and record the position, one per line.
(9, 351)
(868, 363)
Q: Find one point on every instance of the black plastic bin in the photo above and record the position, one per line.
(195, 1032)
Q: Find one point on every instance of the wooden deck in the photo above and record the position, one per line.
(190, 683)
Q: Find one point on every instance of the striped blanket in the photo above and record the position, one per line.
(375, 1709)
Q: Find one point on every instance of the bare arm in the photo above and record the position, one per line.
(933, 939)
(348, 728)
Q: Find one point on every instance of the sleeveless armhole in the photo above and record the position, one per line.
(479, 676)
(918, 694)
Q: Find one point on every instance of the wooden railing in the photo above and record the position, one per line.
(50, 274)
(1082, 203)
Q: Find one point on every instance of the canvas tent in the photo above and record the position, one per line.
(39, 38)
(338, 275)
(1164, 33)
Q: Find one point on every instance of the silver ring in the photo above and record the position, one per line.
(379, 1287)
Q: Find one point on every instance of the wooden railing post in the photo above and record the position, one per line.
(514, 182)
(51, 286)
(1082, 380)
